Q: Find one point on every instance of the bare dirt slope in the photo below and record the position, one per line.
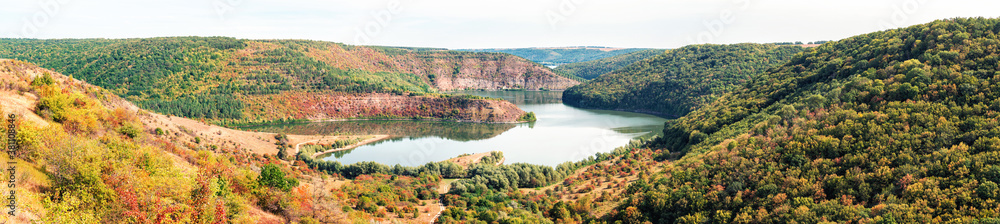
(466, 161)
(18, 97)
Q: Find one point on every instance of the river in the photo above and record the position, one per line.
(562, 133)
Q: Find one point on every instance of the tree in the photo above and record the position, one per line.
(272, 176)
(282, 152)
(45, 79)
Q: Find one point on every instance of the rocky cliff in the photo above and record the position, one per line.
(487, 71)
(445, 70)
(326, 106)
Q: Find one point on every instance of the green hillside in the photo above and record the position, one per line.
(678, 81)
(592, 69)
(198, 73)
(897, 126)
(558, 56)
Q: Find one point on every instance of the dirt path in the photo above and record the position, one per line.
(296, 152)
(435, 217)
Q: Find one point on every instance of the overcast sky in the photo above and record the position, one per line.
(481, 23)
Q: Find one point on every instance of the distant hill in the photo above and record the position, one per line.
(561, 55)
(244, 80)
(678, 81)
(594, 68)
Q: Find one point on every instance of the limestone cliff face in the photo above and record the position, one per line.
(486, 71)
(448, 70)
(324, 106)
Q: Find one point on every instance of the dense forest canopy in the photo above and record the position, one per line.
(594, 68)
(237, 80)
(678, 81)
(898, 126)
(197, 76)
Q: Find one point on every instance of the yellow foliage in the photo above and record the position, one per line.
(75, 111)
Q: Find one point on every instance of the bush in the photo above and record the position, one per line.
(528, 117)
(272, 176)
(282, 152)
(129, 129)
(44, 80)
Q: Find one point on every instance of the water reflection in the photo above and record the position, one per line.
(561, 134)
(520, 97)
(458, 131)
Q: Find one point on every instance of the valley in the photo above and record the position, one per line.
(562, 134)
(897, 125)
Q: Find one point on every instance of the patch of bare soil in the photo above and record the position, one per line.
(21, 105)
(181, 129)
(466, 161)
(303, 139)
(261, 216)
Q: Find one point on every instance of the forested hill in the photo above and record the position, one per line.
(898, 126)
(561, 55)
(236, 79)
(594, 68)
(680, 80)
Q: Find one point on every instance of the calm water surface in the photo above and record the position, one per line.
(562, 133)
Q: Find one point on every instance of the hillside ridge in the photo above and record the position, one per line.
(896, 126)
(678, 81)
(227, 80)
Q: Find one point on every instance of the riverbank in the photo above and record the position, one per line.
(372, 139)
(567, 133)
(303, 121)
(649, 112)
(414, 119)
(468, 160)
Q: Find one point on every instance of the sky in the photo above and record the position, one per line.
(461, 24)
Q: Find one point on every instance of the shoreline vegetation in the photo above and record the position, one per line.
(525, 117)
(369, 140)
(307, 121)
(639, 111)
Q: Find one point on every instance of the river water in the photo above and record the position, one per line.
(562, 133)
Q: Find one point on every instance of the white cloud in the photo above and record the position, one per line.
(487, 23)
